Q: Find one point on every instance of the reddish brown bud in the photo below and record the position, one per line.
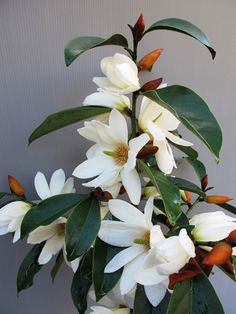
(15, 186)
(217, 199)
(204, 182)
(151, 85)
(188, 197)
(138, 28)
(106, 196)
(147, 151)
(220, 254)
(232, 237)
(147, 61)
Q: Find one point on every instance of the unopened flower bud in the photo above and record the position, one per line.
(204, 182)
(232, 236)
(151, 85)
(220, 253)
(147, 151)
(138, 28)
(149, 191)
(147, 61)
(186, 196)
(15, 186)
(107, 196)
(217, 199)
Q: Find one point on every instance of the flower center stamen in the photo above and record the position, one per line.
(61, 228)
(144, 241)
(158, 117)
(120, 154)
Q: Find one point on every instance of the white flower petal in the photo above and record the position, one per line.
(118, 126)
(176, 139)
(119, 234)
(3, 230)
(51, 247)
(148, 210)
(106, 178)
(100, 310)
(14, 209)
(164, 157)
(156, 293)
(132, 184)
(187, 243)
(128, 282)
(17, 235)
(138, 142)
(68, 186)
(124, 257)
(127, 212)
(149, 276)
(156, 235)
(41, 186)
(57, 182)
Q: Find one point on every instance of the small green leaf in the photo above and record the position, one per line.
(169, 192)
(82, 228)
(143, 306)
(198, 166)
(194, 296)
(184, 27)
(59, 261)
(29, 268)
(187, 150)
(234, 265)
(49, 210)
(64, 118)
(186, 185)
(181, 299)
(82, 282)
(103, 283)
(192, 111)
(79, 45)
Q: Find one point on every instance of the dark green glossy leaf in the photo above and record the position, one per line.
(194, 296)
(186, 185)
(64, 118)
(198, 166)
(143, 306)
(49, 210)
(82, 228)
(103, 283)
(184, 27)
(169, 192)
(181, 299)
(29, 268)
(228, 207)
(79, 45)
(59, 261)
(187, 150)
(82, 282)
(192, 111)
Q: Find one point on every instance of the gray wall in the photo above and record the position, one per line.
(34, 82)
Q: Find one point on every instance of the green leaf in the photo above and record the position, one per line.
(198, 166)
(169, 192)
(143, 306)
(194, 296)
(184, 27)
(29, 268)
(82, 282)
(186, 185)
(103, 283)
(230, 208)
(49, 210)
(234, 265)
(187, 150)
(64, 118)
(79, 45)
(181, 299)
(82, 228)
(59, 261)
(6, 198)
(192, 111)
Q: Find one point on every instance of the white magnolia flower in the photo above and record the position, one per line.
(104, 310)
(137, 234)
(113, 157)
(54, 235)
(214, 226)
(11, 216)
(158, 122)
(166, 258)
(58, 184)
(106, 99)
(121, 75)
